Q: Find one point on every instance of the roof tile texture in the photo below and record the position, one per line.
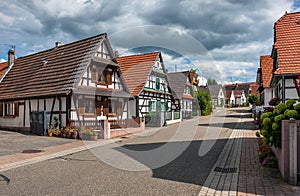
(287, 43)
(50, 72)
(136, 69)
(266, 65)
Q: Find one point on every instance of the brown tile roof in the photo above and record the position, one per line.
(136, 69)
(177, 81)
(287, 43)
(50, 72)
(266, 65)
(3, 68)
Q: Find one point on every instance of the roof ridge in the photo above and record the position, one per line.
(64, 45)
(139, 54)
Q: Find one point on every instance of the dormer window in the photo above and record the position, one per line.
(102, 76)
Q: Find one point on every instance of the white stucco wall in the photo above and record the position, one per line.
(267, 95)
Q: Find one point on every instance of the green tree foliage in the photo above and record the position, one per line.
(204, 102)
(211, 81)
(253, 99)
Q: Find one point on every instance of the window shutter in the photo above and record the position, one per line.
(105, 108)
(108, 77)
(94, 71)
(167, 106)
(16, 109)
(81, 106)
(150, 106)
(1, 109)
(98, 108)
(157, 83)
(119, 109)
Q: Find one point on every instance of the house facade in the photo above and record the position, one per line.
(146, 79)
(181, 86)
(264, 77)
(286, 58)
(217, 95)
(237, 94)
(80, 83)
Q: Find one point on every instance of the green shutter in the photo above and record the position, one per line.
(150, 106)
(157, 83)
(166, 106)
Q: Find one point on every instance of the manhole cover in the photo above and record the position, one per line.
(225, 170)
(32, 151)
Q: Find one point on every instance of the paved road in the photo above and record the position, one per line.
(13, 142)
(165, 161)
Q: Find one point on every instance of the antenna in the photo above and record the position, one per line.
(12, 47)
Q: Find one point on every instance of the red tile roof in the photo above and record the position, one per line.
(136, 69)
(266, 65)
(287, 43)
(3, 68)
(51, 72)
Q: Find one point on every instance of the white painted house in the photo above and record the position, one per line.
(80, 83)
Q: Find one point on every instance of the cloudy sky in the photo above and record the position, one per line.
(221, 39)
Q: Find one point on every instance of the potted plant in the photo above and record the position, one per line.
(92, 135)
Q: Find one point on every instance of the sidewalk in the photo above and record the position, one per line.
(254, 179)
(238, 170)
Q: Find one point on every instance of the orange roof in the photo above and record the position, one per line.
(136, 69)
(266, 65)
(287, 43)
(3, 68)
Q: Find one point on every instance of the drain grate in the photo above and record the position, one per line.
(225, 170)
(32, 151)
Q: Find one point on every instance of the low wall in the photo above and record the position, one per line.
(282, 154)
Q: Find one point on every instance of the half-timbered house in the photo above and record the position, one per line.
(79, 82)
(181, 86)
(146, 79)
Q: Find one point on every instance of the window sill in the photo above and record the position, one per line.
(9, 117)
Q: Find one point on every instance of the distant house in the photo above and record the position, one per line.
(286, 57)
(181, 86)
(217, 95)
(264, 77)
(237, 94)
(146, 78)
(79, 82)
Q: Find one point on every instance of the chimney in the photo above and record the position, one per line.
(116, 54)
(11, 57)
(57, 44)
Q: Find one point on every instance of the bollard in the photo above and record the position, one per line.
(292, 152)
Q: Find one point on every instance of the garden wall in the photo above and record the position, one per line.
(282, 154)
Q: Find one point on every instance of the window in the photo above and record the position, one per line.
(157, 83)
(10, 109)
(102, 76)
(86, 106)
(152, 106)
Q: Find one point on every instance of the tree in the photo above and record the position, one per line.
(204, 102)
(211, 81)
(253, 99)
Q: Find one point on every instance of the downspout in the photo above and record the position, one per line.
(283, 89)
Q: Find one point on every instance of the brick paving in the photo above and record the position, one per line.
(254, 179)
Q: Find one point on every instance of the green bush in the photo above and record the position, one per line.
(266, 121)
(297, 107)
(204, 102)
(265, 115)
(280, 109)
(292, 113)
(289, 103)
(275, 126)
(278, 118)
